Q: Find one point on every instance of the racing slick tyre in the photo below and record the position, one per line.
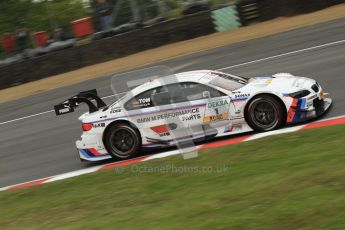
(122, 141)
(265, 113)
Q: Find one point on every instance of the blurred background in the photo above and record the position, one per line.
(71, 34)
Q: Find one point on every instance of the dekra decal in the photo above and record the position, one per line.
(217, 103)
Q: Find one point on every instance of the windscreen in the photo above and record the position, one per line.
(228, 82)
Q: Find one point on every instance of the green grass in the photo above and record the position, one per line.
(293, 181)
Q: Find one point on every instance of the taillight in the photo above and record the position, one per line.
(86, 126)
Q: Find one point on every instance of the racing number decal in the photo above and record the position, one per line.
(217, 110)
(217, 117)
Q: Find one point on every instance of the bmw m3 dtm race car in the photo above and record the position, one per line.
(194, 105)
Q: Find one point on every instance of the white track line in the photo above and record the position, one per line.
(22, 118)
(228, 67)
(49, 111)
(285, 54)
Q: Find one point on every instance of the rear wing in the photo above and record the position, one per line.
(86, 97)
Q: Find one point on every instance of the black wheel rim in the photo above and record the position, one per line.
(122, 141)
(264, 114)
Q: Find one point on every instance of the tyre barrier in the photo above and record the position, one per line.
(248, 11)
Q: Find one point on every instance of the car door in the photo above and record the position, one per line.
(217, 112)
(188, 101)
(178, 111)
(160, 119)
(217, 109)
(211, 107)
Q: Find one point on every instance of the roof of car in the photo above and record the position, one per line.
(190, 76)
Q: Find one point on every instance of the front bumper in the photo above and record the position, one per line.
(303, 110)
(321, 106)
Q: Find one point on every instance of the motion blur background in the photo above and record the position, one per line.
(41, 38)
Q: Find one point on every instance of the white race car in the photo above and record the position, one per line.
(192, 106)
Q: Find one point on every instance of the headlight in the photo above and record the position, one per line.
(300, 94)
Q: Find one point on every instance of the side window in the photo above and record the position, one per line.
(190, 91)
(173, 93)
(143, 100)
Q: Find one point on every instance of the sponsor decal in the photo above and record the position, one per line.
(216, 104)
(64, 110)
(161, 130)
(144, 119)
(164, 134)
(164, 130)
(115, 110)
(164, 116)
(217, 117)
(269, 81)
(141, 102)
(242, 95)
(237, 127)
(295, 113)
(192, 117)
(99, 125)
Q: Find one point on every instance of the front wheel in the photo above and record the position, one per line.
(265, 113)
(122, 141)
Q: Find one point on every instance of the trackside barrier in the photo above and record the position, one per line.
(232, 17)
(151, 36)
(226, 18)
(124, 44)
(248, 11)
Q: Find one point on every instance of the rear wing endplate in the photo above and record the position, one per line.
(86, 97)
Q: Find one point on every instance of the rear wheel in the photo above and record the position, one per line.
(265, 113)
(122, 141)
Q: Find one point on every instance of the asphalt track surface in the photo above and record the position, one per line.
(43, 145)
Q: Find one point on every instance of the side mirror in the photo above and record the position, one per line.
(206, 94)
